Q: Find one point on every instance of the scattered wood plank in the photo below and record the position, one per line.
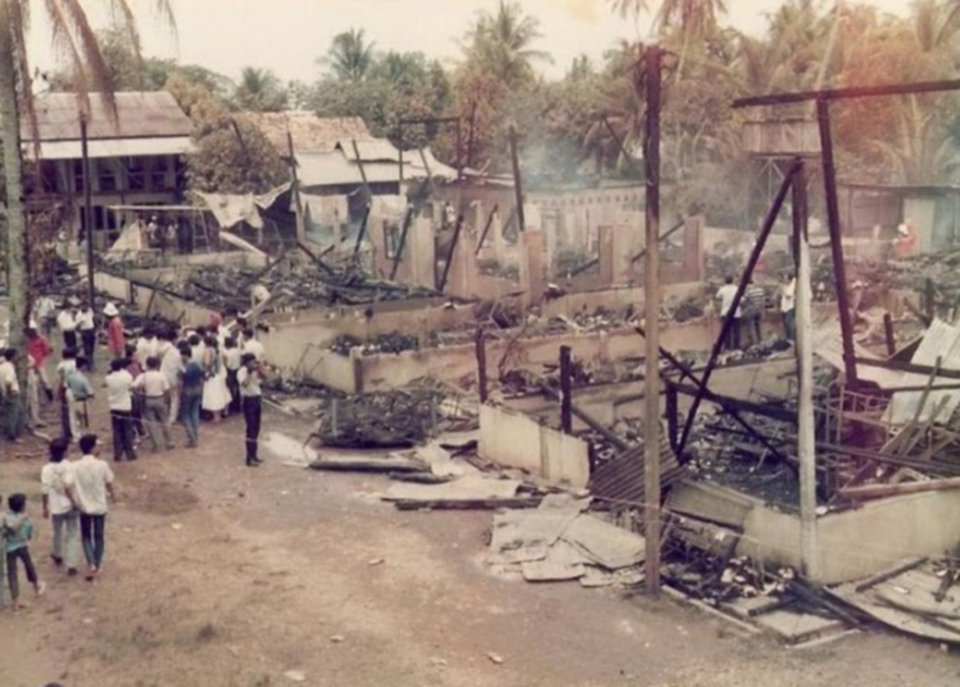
(421, 477)
(358, 463)
(874, 491)
(890, 573)
(468, 504)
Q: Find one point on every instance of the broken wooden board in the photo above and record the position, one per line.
(795, 628)
(467, 488)
(359, 462)
(605, 544)
(526, 536)
(906, 602)
(468, 504)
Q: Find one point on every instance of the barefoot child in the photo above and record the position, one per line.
(18, 531)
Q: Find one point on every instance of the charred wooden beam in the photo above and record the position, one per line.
(848, 93)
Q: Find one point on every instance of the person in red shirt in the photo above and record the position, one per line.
(39, 350)
(905, 244)
(116, 341)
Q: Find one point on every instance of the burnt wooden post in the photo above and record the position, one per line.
(836, 244)
(481, 349)
(451, 253)
(87, 210)
(888, 334)
(566, 391)
(651, 308)
(362, 231)
(671, 409)
(486, 227)
(398, 256)
(517, 182)
(728, 320)
(472, 134)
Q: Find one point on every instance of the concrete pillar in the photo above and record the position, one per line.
(532, 278)
(462, 279)
(496, 235)
(605, 249)
(693, 248)
(420, 253)
(624, 246)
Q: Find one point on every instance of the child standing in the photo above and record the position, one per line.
(18, 531)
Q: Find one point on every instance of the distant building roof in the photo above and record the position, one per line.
(310, 133)
(149, 114)
(339, 167)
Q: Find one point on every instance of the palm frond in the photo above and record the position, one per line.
(124, 19)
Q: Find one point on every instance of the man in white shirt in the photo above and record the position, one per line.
(119, 382)
(788, 291)
(251, 345)
(146, 346)
(45, 313)
(57, 505)
(250, 378)
(87, 327)
(68, 326)
(171, 366)
(726, 294)
(89, 484)
(156, 392)
(11, 403)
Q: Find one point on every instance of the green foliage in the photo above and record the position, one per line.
(260, 90)
(232, 155)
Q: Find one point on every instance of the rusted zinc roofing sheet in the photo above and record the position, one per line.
(139, 115)
(622, 477)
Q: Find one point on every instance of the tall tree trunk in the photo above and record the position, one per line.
(14, 209)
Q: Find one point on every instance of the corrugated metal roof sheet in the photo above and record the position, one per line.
(115, 147)
(335, 168)
(310, 133)
(139, 114)
(622, 477)
(941, 341)
(372, 150)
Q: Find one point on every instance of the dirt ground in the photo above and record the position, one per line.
(219, 575)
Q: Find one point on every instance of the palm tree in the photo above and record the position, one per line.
(501, 44)
(76, 41)
(350, 55)
(260, 90)
(695, 19)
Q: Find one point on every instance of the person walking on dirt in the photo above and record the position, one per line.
(89, 485)
(120, 400)
(57, 505)
(192, 384)
(250, 378)
(17, 533)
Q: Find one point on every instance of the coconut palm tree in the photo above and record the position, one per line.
(260, 90)
(77, 44)
(350, 55)
(501, 44)
(696, 20)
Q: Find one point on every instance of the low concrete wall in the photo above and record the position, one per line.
(510, 438)
(853, 544)
(152, 301)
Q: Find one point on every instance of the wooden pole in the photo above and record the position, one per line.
(471, 136)
(566, 391)
(450, 255)
(651, 307)
(486, 227)
(481, 348)
(517, 181)
(298, 207)
(874, 491)
(87, 208)
(806, 439)
(836, 245)
(888, 334)
(400, 148)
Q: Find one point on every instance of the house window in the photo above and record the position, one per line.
(158, 175)
(137, 173)
(78, 175)
(108, 180)
(391, 238)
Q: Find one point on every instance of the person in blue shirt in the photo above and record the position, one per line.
(192, 385)
(17, 532)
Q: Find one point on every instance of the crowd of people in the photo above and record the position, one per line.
(746, 328)
(163, 377)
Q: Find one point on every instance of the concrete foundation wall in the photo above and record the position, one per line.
(151, 301)
(858, 543)
(510, 438)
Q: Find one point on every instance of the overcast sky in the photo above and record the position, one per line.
(288, 35)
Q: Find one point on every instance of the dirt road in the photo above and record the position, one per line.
(217, 574)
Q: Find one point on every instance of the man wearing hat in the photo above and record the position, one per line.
(116, 342)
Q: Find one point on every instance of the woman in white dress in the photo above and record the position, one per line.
(216, 395)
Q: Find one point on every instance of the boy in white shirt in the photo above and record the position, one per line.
(90, 484)
(58, 506)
